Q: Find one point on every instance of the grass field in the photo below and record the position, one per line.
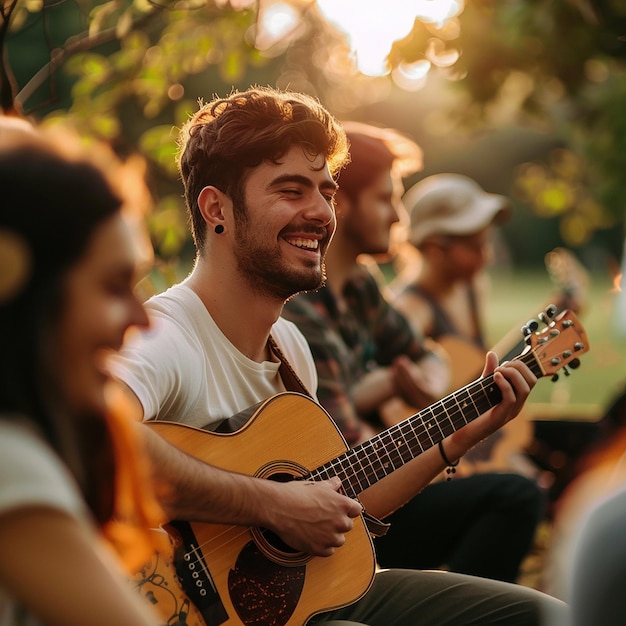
(519, 297)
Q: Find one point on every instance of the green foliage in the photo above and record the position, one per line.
(565, 63)
(130, 71)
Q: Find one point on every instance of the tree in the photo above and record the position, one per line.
(130, 70)
(563, 63)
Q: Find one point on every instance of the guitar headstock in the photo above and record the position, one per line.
(556, 346)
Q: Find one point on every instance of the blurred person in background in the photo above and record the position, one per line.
(367, 357)
(452, 229)
(586, 564)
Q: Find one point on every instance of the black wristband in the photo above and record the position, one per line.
(451, 467)
(446, 460)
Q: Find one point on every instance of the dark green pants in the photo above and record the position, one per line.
(436, 598)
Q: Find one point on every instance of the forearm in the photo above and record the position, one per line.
(192, 490)
(309, 516)
(56, 568)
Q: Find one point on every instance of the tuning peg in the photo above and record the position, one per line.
(566, 371)
(530, 327)
(574, 364)
(551, 310)
(554, 378)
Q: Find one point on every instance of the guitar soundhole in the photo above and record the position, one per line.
(269, 543)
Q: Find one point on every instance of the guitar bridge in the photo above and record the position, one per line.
(194, 575)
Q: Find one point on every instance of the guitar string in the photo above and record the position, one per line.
(416, 427)
(370, 472)
(476, 387)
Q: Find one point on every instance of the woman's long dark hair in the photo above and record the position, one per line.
(50, 207)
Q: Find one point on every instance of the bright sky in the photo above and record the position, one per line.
(373, 25)
(370, 26)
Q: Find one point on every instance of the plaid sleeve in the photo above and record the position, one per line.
(389, 331)
(333, 362)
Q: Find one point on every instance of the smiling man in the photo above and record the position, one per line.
(259, 170)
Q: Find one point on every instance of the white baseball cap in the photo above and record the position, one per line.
(452, 204)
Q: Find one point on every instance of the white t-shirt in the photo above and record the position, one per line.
(184, 368)
(32, 474)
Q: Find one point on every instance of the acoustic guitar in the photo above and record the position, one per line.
(234, 575)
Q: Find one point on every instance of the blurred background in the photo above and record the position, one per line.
(528, 97)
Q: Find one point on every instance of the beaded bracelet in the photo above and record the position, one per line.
(451, 467)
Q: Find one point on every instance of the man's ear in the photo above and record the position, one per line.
(213, 204)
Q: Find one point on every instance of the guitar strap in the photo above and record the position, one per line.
(292, 382)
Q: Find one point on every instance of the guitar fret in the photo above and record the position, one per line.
(393, 455)
(359, 472)
(375, 460)
(489, 394)
(364, 465)
(466, 408)
(415, 440)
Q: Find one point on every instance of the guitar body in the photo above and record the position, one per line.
(159, 584)
(237, 575)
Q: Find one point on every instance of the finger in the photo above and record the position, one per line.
(334, 483)
(514, 388)
(491, 362)
(516, 370)
(354, 510)
(522, 368)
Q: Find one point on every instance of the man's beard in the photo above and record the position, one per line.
(265, 269)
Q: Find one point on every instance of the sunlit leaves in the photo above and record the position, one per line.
(139, 63)
(93, 70)
(159, 144)
(168, 226)
(559, 189)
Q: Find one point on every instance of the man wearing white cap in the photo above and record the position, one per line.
(452, 219)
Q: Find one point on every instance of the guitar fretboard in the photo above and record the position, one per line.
(367, 463)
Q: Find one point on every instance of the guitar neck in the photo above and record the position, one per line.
(369, 462)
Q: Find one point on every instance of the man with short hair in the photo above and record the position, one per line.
(260, 170)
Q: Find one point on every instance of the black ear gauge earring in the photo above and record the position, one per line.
(219, 229)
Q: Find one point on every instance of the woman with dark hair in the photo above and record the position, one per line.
(67, 270)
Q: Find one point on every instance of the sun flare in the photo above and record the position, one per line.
(372, 26)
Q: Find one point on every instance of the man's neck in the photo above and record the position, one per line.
(433, 280)
(229, 300)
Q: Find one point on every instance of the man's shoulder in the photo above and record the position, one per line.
(286, 332)
(291, 340)
(295, 347)
(176, 307)
(362, 279)
(178, 298)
